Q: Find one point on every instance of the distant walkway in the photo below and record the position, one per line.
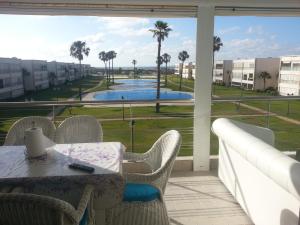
(58, 109)
(284, 118)
(287, 119)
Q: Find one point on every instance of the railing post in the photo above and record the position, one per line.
(123, 108)
(132, 123)
(53, 113)
(268, 114)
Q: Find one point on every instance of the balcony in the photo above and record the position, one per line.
(208, 201)
(191, 197)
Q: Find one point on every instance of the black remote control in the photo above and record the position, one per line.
(81, 167)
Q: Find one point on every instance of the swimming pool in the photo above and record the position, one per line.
(139, 90)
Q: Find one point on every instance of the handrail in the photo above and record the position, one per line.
(141, 102)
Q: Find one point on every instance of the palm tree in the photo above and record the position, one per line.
(134, 62)
(77, 50)
(109, 57)
(113, 56)
(160, 32)
(264, 75)
(166, 59)
(216, 47)
(103, 57)
(182, 57)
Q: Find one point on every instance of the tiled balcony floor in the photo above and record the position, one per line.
(196, 198)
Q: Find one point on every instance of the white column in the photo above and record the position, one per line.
(203, 85)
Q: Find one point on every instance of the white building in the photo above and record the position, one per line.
(70, 71)
(36, 75)
(289, 75)
(245, 73)
(86, 69)
(11, 79)
(222, 72)
(188, 70)
(56, 73)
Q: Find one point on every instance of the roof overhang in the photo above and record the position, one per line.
(149, 8)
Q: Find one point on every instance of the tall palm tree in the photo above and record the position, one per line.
(77, 50)
(182, 56)
(134, 62)
(216, 47)
(103, 57)
(109, 57)
(166, 59)
(160, 32)
(264, 75)
(113, 56)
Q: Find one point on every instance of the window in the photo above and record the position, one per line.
(286, 65)
(245, 77)
(296, 66)
(219, 66)
(250, 76)
(7, 82)
(1, 84)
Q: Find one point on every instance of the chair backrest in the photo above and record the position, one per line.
(15, 135)
(31, 209)
(79, 129)
(164, 152)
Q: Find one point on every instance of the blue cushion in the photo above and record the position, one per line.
(84, 219)
(140, 192)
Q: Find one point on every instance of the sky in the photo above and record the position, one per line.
(49, 37)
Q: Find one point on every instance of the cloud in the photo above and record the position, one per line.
(228, 30)
(93, 38)
(257, 30)
(118, 22)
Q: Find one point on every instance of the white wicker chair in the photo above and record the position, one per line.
(33, 209)
(15, 135)
(79, 129)
(161, 158)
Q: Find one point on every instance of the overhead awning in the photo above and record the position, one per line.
(149, 8)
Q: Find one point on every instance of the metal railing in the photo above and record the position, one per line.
(54, 109)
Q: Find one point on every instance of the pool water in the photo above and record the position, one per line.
(139, 90)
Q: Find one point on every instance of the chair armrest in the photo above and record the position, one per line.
(135, 157)
(85, 200)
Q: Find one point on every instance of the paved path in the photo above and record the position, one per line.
(287, 119)
(59, 109)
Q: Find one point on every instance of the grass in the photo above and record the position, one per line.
(62, 92)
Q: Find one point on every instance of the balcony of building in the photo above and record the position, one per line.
(196, 193)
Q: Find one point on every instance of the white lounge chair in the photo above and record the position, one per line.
(79, 129)
(15, 135)
(143, 201)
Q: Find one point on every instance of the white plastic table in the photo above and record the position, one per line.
(52, 171)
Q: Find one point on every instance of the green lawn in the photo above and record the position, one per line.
(146, 131)
(63, 92)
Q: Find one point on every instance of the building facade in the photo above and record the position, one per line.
(36, 75)
(70, 71)
(11, 79)
(246, 73)
(222, 72)
(56, 73)
(188, 70)
(289, 76)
